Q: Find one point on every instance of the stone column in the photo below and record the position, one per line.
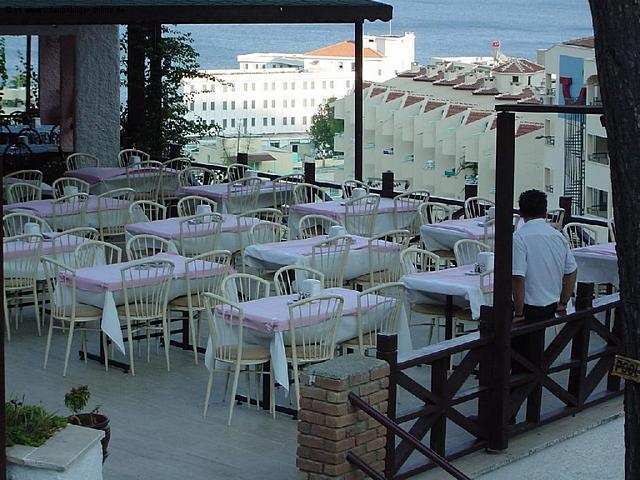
(330, 426)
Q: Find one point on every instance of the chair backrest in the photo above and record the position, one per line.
(266, 214)
(283, 191)
(13, 223)
(242, 195)
(32, 135)
(54, 271)
(313, 324)
(146, 288)
(226, 324)
(311, 226)
(205, 273)
(33, 177)
(113, 211)
(76, 161)
(195, 176)
(466, 251)
(236, 171)
(146, 180)
(178, 163)
(20, 192)
(418, 260)
(384, 256)
(124, 157)
(406, 210)
(475, 207)
(349, 185)
(434, 212)
(69, 212)
(21, 256)
(556, 218)
(360, 215)
(268, 232)
(288, 279)
(143, 246)
(94, 253)
(188, 206)
(244, 287)
(580, 234)
(330, 258)
(64, 244)
(152, 210)
(308, 193)
(199, 233)
(379, 309)
(62, 183)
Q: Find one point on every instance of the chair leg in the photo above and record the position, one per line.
(296, 381)
(69, 341)
(130, 337)
(272, 396)
(148, 329)
(234, 388)
(7, 324)
(194, 337)
(83, 340)
(167, 341)
(208, 394)
(105, 347)
(46, 349)
(36, 308)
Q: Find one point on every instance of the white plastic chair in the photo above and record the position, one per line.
(124, 157)
(466, 251)
(288, 279)
(197, 176)
(146, 180)
(283, 191)
(13, 223)
(143, 246)
(308, 193)
(475, 207)
(113, 213)
(60, 184)
(580, 235)
(21, 192)
(330, 258)
(242, 195)
(188, 206)
(406, 213)
(556, 218)
(311, 226)
(34, 177)
(236, 171)
(199, 233)
(76, 161)
(95, 253)
(69, 212)
(349, 185)
(434, 212)
(360, 215)
(244, 287)
(154, 211)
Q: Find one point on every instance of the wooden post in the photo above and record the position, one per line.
(155, 87)
(388, 351)
(566, 204)
(3, 441)
(358, 101)
(242, 158)
(580, 345)
(387, 184)
(310, 172)
(502, 292)
(135, 84)
(486, 413)
(613, 382)
(438, 434)
(470, 191)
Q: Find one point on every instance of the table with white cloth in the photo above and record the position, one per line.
(45, 188)
(233, 235)
(102, 287)
(219, 193)
(597, 264)
(266, 322)
(74, 213)
(336, 210)
(459, 285)
(444, 235)
(272, 256)
(62, 250)
(104, 179)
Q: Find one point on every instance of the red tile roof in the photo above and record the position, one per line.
(475, 115)
(518, 65)
(455, 109)
(413, 73)
(450, 83)
(366, 85)
(486, 91)
(525, 128)
(432, 105)
(412, 99)
(342, 49)
(377, 91)
(470, 86)
(526, 93)
(432, 78)
(586, 42)
(394, 96)
(494, 124)
(531, 101)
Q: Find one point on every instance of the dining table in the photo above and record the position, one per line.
(142, 179)
(336, 210)
(444, 235)
(597, 264)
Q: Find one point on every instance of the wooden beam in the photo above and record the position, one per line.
(27, 101)
(502, 303)
(358, 101)
(135, 84)
(155, 90)
(568, 109)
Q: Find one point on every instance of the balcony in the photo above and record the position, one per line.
(599, 157)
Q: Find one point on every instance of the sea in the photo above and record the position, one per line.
(441, 27)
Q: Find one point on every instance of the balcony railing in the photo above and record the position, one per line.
(596, 102)
(599, 157)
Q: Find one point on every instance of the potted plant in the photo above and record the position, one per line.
(76, 401)
(30, 425)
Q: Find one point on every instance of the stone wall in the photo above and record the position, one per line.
(329, 426)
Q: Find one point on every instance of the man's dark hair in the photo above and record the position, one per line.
(533, 203)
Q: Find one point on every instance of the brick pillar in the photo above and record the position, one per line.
(330, 426)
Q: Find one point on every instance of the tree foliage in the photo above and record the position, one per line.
(180, 62)
(323, 129)
(3, 64)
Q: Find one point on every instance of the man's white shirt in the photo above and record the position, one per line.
(542, 256)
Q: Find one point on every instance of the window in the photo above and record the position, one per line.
(284, 120)
(304, 102)
(244, 105)
(284, 103)
(204, 106)
(304, 85)
(379, 72)
(273, 104)
(515, 79)
(224, 105)
(224, 88)
(331, 84)
(224, 123)
(265, 86)
(253, 121)
(211, 122)
(313, 102)
(265, 121)
(293, 120)
(192, 106)
(304, 120)
(273, 85)
(548, 180)
(294, 147)
(293, 103)
(244, 122)
(233, 123)
(253, 85)
(245, 87)
(233, 105)
(253, 104)
(265, 103)
(273, 121)
(348, 83)
(313, 84)
(284, 85)
(324, 84)
(212, 106)
(293, 85)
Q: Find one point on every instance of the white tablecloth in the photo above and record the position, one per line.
(444, 235)
(276, 336)
(597, 264)
(219, 193)
(431, 287)
(104, 179)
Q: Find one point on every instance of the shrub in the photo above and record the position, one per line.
(30, 425)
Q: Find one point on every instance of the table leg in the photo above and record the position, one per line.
(448, 331)
(125, 367)
(265, 403)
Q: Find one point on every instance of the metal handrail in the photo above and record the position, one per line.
(442, 462)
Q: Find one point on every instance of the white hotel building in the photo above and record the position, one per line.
(278, 93)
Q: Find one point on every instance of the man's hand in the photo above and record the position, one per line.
(561, 309)
(518, 318)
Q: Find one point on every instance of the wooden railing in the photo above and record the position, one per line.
(460, 410)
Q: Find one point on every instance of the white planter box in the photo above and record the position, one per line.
(74, 453)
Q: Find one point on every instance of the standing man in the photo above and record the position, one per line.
(544, 277)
